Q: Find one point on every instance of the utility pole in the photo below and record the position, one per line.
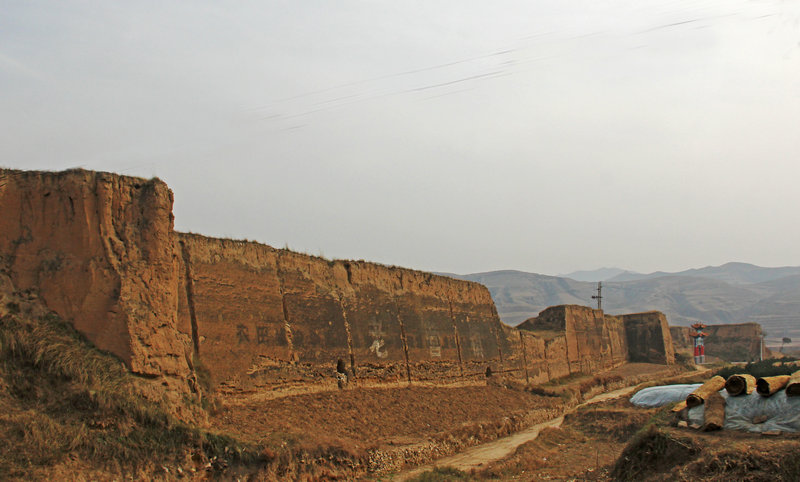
(599, 295)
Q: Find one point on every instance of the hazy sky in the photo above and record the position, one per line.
(459, 136)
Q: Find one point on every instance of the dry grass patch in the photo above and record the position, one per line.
(63, 400)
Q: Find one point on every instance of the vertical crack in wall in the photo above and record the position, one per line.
(403, 339)
(566, 343)
(189, 281)
(524, 355)
(350, 350)
(497, 328)
(348, 268)
(402, 331)
(499, 348)
(349, 335)
(287, 328)
(547, 350)
(339, 295)
(104, 201)
(455, 332)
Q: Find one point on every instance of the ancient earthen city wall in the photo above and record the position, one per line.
(592, 340)
(648, 337)
(543, 354)
(100, 250)
(257, 306)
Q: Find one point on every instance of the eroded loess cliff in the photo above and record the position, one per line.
(99, 250)
(256, 308)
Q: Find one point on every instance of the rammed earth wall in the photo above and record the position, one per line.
(101, 251)
(580, 339)
(729, 342)
(256, 305)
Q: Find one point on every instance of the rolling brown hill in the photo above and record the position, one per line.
(733, 273)
(725, 296)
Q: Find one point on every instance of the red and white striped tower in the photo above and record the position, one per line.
(699, 347)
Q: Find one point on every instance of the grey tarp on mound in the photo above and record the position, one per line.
(662, 395)
(782, 413)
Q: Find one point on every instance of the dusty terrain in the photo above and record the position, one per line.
(479, 457)
(485, 454)
(69, 408)
(376, 402)
(381, 430)
(128, 348)
(584, 447)
(614, 440)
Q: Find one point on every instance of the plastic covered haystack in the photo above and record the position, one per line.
(754, 413)
(662, 395)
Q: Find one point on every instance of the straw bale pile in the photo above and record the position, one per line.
(714, 413)
(793, 387)
(768, 386)
(705, 390)
(740, 384)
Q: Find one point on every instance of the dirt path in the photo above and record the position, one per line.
(489, 452)
(480, 455)
(329, 386)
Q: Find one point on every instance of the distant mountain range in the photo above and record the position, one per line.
(601, 274)
(731, 293)
(734, 273)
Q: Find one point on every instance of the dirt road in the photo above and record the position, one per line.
(489, 452)
(481, 455)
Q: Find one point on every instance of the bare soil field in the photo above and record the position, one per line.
(69, 408)
(364, 417)
(381, 430)
(614, 440)
(586, 445)
(481, 456)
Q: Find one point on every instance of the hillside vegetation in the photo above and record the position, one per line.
(65, 407)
